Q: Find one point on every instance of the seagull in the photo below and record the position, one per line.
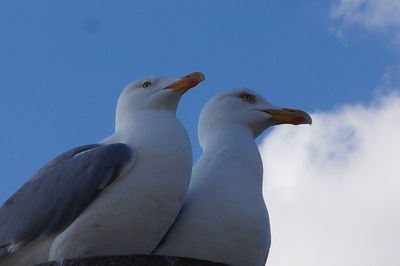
(224, 218)
(118, 196)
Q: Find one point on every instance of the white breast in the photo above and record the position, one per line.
(224, 218)
(133, 214)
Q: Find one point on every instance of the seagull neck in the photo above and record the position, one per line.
(233, 148)
(142, 120)
(123, 123)
(228, 135)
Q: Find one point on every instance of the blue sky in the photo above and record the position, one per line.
(64, 64)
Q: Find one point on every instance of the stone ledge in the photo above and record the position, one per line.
(131, 260)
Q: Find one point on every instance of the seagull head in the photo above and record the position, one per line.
(156, 93)
(245, 109)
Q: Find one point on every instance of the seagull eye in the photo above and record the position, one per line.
(146, 84)
(247, 97)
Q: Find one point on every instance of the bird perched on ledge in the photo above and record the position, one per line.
(224, 218)
(118, 196)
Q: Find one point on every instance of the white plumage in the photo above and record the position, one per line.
(135, 180)
(225, 218)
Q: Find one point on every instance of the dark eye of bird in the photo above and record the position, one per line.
(247, 97)
(146, 84)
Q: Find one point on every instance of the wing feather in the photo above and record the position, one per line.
(55, 196)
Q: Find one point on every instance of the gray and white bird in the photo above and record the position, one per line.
(224, 218)
(119, 196)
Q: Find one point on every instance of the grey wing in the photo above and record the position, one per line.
(55, 196)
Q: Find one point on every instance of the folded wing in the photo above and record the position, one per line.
(58, 193)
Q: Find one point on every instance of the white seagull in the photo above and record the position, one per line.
(224, 218)
(119, 196)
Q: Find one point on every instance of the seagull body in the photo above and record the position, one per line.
(224, 218)
(147, 199)
(119, 196)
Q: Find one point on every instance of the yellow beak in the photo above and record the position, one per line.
(289, 116)
(187, 82)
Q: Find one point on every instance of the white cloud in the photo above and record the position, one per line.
(369, 14)
(333, 189)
